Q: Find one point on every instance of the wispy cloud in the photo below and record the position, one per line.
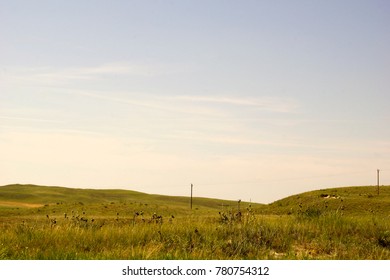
(24, 119)
(149, 101)
(137, 100)
(264, 103)
(58, 76)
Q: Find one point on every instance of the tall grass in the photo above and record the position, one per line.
(326, 236)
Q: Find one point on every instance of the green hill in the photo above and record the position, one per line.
(35, 196)
(349, 200)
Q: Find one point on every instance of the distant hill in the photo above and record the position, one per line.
(35, 196)
(350, 200)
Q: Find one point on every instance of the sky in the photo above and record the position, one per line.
(252, 100)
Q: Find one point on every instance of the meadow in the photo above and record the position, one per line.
(53, 223)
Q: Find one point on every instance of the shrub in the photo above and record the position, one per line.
(384, 239)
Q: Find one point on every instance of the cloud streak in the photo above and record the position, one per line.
(264, 103)
(29, 119)
(85, 76)
(53, 76)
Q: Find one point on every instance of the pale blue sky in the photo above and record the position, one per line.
(245, 99)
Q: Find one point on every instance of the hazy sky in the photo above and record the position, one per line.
(252, 100)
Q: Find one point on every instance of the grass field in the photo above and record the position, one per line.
(38, 222)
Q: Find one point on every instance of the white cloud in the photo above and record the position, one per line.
(27, 119)
(149, 101)
(51, 76)
(265, 103)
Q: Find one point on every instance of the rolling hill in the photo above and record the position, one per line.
(350, 200)
(34, 196)
(355, 200)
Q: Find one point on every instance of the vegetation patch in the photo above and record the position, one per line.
(384, 239)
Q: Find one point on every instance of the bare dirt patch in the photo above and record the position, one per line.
(19, 204)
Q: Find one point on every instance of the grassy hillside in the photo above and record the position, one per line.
(26, 196)
(348, 200)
